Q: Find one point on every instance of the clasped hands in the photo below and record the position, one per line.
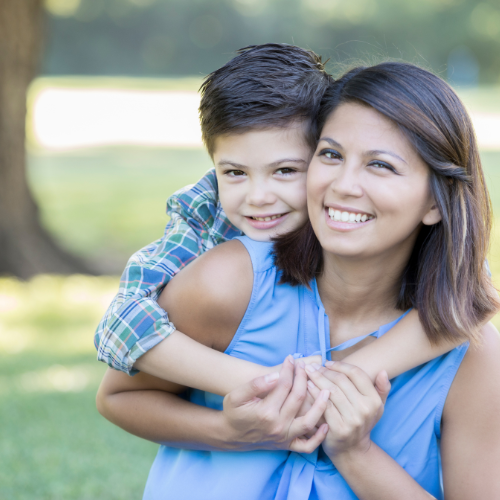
(304, 406)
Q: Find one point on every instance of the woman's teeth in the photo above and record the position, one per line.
(352, 217)
(266, 219)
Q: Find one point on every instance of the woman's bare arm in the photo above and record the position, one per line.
(470, 442)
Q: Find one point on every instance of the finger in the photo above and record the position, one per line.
(256, 388)
(297, 395)
(282, 388)
(302, 425)
(331, 415)
(338, 396)
(302, 445)
(383, 385)
(356, 375)
(309, 360)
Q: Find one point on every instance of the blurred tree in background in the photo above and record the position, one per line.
(457, 39)
(25, 246)
(187, 37)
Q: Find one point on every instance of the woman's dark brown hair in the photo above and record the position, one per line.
(446, 278)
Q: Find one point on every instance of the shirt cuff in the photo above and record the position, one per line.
(160, 331)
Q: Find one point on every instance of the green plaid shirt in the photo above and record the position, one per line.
(134, 322)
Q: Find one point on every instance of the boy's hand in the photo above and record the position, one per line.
(308, 360)
(263, 414)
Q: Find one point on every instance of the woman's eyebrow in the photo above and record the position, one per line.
(373, 152)
(331, 142)
(376, 152)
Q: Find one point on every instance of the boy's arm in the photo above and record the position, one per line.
(138, 404)
(134, 322)
(185, 361)
(403, 347)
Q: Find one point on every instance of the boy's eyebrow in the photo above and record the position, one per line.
(274, 164)
(287, 160)
(231, 163)
(373, 152)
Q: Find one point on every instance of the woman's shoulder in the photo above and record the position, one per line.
(208, 298)
(470, 437)
(477, 381)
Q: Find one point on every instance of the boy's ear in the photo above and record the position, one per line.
(433, 216)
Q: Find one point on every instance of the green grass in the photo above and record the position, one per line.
(54, 444)
(100, 204)
(107, 203)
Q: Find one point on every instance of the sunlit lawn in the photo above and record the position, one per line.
(102, 204)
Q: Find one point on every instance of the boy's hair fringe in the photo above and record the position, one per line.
(264, 86)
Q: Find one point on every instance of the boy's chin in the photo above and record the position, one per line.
(260, 235)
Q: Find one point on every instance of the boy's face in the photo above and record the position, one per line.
(262, 179)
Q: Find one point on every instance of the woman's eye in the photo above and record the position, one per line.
(331, 154)
(382, 165)
(234, 173)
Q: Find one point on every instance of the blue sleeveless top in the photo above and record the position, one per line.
(282, 320)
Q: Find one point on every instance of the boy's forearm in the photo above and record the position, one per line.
(403, 347)
(165, 418)
(184, 361)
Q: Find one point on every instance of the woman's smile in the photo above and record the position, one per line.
(346, 221)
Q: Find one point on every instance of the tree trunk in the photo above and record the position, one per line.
(26, 248)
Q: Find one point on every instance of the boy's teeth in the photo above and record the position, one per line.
(350, 217)
(266, 219)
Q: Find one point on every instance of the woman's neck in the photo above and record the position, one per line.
(359, 295)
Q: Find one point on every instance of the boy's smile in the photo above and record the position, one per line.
(262, 179)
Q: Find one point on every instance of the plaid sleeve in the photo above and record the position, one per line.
(134, 322)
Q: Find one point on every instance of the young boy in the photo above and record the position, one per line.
(258, 122)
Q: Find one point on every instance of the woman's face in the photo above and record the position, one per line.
(367, 188)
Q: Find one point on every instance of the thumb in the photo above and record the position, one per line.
(255, 389)
(383, 385)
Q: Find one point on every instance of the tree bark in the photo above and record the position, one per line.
(26, 248)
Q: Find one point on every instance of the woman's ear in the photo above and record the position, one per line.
(433, 216)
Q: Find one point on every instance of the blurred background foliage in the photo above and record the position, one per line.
(105, 200)
(192, 37)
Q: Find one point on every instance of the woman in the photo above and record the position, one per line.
(401, 219)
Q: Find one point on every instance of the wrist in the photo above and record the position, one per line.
(349, 457)
(224, 433)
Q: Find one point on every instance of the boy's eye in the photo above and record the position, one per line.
(234, 173)
(331, 154)
(286, 171)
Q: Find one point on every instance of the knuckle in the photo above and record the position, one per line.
(265, 415)
(255, 385)
(366, 410)
(299, 397)
(357, 422)
(277, 431)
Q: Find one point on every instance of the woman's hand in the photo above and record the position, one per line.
(355, 405)
(263, 414)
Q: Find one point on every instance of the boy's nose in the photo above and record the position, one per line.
(259, 196)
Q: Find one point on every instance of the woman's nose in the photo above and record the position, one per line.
(347, 182)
